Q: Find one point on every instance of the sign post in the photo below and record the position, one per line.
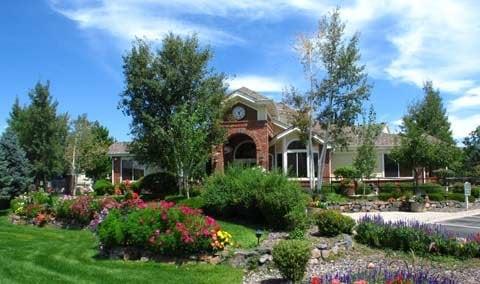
(468, 190)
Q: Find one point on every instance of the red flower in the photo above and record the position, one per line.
(316, 280)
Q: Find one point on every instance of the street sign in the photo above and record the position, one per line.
(468, 188)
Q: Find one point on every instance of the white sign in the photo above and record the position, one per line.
(468, 188)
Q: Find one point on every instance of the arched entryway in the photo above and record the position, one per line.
(240, 149)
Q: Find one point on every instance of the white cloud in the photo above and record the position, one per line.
(471, 99)
(256, 83)
(462, 126)
(434, 40)
(127, 20)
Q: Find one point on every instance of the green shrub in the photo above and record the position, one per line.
(158, 184)
(347, 172)
(194, 202)
(256, 196)
(103, 186)
(459, 197)
(407, 187)
(334, 198)
(111, 230)
(428, 188)
(291, 258)
(476, 192)
(389, 188)
(332, 223)
(436, 196)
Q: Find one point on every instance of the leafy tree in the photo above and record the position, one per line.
(87, 147)
(41, 133)
(365, 159)
(337, 89)
(14, 167)
(472, 152)
(414, 150)
(174, 99)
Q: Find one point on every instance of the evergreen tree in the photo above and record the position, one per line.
(41, 133)
(431, 116)
(14, 167)
(472, 153)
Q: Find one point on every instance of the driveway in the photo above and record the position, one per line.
(463, 226)
(463, 223)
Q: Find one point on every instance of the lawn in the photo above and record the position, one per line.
(48, 255)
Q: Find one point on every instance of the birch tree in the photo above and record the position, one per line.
(337, 85)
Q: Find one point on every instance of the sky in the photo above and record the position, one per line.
(78, 46)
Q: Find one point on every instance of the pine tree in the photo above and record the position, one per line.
(431, 116)
(14, 167)
(41, 133)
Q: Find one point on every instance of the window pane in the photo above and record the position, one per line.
(302, 164)
(138, 171)
(296, 145)
(280, 162)
(292, 164)
(315, 163)
(246, 151)
(390, 166)
(127, 169)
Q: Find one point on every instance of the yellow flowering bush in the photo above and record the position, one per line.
(222, 239)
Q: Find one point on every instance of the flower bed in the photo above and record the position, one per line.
(383, 276)
(164, 229)
(422, 239)
(126, 222)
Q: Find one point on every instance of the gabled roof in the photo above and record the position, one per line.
(118, 148)
(251, 94)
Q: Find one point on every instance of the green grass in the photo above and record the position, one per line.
(47, 255)
(243, 236)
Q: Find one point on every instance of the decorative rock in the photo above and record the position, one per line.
(348, 241)
(144, 259)
(265, 258)
(316, 253)
(335, 249)
(325, 253)
(313, 261)
(371, 265)
(322, 246)
(214, 260)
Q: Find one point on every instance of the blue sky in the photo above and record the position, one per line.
(78, 46)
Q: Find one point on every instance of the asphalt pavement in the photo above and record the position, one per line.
(463, 226)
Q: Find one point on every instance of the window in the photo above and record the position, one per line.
(280, 162)
(132, 170)
(390, 166)
(246, 153)
(297, 161)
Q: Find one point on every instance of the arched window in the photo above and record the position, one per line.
(245, 153)
(296, 145)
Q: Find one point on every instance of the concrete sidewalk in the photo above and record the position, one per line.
(423, 217)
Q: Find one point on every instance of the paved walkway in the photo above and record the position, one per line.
(424, 217)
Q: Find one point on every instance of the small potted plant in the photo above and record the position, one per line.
(417, 204)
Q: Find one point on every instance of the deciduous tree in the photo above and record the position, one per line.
(174, 99)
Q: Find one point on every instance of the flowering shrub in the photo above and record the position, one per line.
(420, 238)
(163, 228)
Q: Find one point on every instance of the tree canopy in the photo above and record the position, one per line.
(366, 156)
(174, 99)
(472, 152)
(41, 132)
(87, 147)
(15, 175)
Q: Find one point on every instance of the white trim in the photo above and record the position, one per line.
(121, 170)
(296, 151)
(113, 172)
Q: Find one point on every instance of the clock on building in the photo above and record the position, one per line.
(238, 112)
